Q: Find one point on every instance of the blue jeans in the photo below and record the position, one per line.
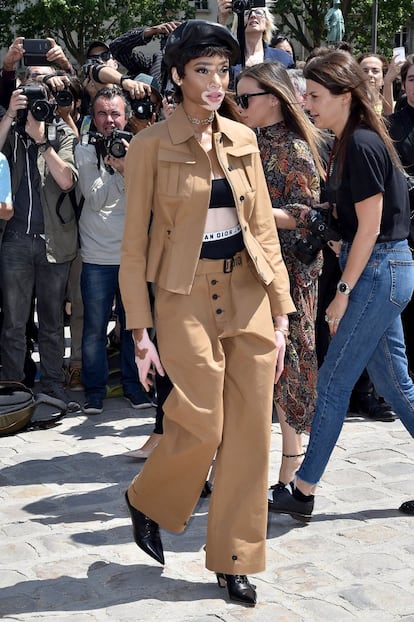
(99, 286)
(24, 267)
(369, 335)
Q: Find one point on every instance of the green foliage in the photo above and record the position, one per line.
(73, 23)
(304, 21)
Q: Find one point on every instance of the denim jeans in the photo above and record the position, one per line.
(369, 335)
(99, 286)
(24, 267)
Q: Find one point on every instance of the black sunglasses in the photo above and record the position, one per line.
(243, 100)
(105, 56)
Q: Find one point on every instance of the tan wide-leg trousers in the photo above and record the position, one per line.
(217, 345)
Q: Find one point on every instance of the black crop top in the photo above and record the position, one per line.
(221, 194)
(222, 244)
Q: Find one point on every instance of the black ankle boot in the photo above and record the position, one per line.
(281, 501)
(238, 587)
(146, 533)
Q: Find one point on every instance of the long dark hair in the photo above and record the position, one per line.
(273, 78)
(340, 73)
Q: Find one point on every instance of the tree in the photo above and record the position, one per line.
(74, 23)
(304, 20)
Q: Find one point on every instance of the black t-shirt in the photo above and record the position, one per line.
(368, 170)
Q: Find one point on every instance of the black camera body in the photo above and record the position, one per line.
(111, 145)
(37, 103)
(322, 227)
(90, 62)
(114, 144)
(143, 108)
(240, 6)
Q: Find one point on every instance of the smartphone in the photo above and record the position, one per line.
(35, 51)
(400, 53)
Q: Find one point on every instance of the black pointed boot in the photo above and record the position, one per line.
(146, 533)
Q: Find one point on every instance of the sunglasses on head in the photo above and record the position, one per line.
(243, 100)
(105, 56)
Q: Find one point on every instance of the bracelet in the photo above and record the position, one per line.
(121, 80)
(285, 331)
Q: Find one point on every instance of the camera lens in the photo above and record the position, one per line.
(117, 148)
(64, 98)
(40, 109)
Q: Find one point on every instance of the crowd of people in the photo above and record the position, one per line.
(243, 218)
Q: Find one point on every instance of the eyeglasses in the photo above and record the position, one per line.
(257, 12)
(105, 56)
(243, 100)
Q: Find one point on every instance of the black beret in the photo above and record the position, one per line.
(198, 32)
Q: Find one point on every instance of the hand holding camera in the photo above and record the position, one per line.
(37, 104)
(14, 54)
(115, 145)
(322, 227)
(224, 11)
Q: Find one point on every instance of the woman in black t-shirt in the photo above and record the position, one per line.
(366, 183)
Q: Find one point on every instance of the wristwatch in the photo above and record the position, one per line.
(42, 147)
(343, 288)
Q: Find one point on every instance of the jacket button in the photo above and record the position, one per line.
(219, 311)
(215, 296)
(242, 198)
(230, 168)
(234, 557)
(214, 282)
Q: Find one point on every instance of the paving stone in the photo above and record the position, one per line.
(67, 554)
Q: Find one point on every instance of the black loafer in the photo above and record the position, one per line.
(371, 406)
(407, 507)
(283, 502)
(146, 533)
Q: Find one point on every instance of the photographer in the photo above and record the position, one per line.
(123, 48)
(145, 111)
(15, 54)
(101, 69)
(259, 27)
(40, 239)
(101, 224)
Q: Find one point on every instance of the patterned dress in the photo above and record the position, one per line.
(293, 184)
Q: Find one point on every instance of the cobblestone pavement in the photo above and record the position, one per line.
(66, 549)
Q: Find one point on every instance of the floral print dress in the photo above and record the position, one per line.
(293, 184)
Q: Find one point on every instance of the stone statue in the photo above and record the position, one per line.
(334, 22)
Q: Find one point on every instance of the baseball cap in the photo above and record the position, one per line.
(151, 81)
(96, 44)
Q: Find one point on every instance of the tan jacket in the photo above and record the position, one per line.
(168, 175)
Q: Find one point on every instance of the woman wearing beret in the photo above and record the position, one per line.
(195, 181)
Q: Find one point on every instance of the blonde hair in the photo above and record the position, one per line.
(270, 29)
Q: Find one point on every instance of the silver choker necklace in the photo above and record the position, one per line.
(196, 121)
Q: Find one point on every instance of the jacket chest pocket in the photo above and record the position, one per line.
(175, 173)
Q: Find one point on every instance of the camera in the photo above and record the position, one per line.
(143, 108)
(86, 67)
(37, 103)
(112, 144)
(322, 227)
(240, 6)
(63, 98)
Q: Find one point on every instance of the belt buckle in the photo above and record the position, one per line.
(228, 265)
